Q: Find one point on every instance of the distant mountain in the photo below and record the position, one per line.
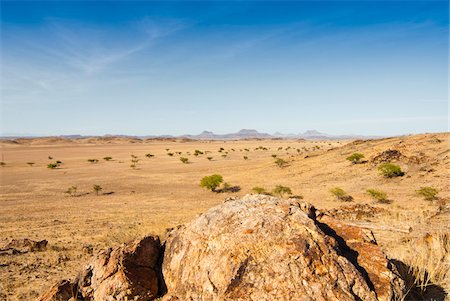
(242, 134)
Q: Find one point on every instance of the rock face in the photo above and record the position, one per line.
(262, 248)
(128, 272)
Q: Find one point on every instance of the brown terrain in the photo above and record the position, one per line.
(47, 234)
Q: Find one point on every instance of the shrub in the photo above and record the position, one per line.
(340, 194)
(184, 160)
(355, 158)
(281, 163)
(378, 195)
(2, 163)
(229, 188)
(170, 154)
(198, 152)
(428, 193)
(211, 182)
(259, 190)
(224, 156)
(59, 162)
(134, 161)
(274, 156)
(107, 158)
(92, 160)
(149, 155)
(282, 190)
(221, 149)
(30, 163)
(50, 157)
(72, 190)
(52, 165)
(245, 158)
(209, 158)
(97, 189)
(390, 170)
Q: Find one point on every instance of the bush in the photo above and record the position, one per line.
(149, 155)
(340, 194)
(184, 160)
(92, 160)
(209, 158)
(355, 158)
(390, 170)
(30, 163)
(198, 152)
(2, 163)
(428, 193)
(72, 190)
(107, 158)
(281, 163)
(97, 189)
(378, 195)
(259, 190)
(274, 156)
(170, 154)
(282, 190)
(211, 182)
(52, 165)
(228, 188)
(245, 158)
(134, 161)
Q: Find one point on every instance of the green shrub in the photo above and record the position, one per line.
(211, 182)
(281, 163)
(72, 190)
(340, 194)
(107, 158)
(282, 190)
(378, 195)
(259, 190)
(355, 158)
(52, 165)
(390, 170)
(97, 189)
(184, 160)
(428, 193)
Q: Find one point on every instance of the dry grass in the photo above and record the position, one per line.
(161, 192)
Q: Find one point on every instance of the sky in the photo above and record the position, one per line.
(154, 68)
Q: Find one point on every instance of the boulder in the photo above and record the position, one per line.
(263, 248)
(64, 290)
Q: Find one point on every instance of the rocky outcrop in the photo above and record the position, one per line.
(128, 272)
(251, 248)
(263, 248)
(24, 245)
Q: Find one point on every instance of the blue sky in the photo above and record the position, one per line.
(149, 67)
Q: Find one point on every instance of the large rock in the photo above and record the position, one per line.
(128, 272)
(262, 248)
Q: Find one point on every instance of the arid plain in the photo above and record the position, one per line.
(162, 192)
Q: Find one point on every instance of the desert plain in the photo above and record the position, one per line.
(161, 192)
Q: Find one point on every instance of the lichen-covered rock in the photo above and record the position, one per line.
(126, 272)
(261, 248)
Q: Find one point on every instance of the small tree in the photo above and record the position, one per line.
(72, 190)
(355, 158)
(184, 160)
(30, 163)
(281, 190)
(428, 193)
(108, 158)
(97, 189)
(389, 170)
(134, 161)
(211, 182)
(378, 195)
(281, 163)
(340, 194)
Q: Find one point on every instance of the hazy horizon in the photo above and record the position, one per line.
(175, 68)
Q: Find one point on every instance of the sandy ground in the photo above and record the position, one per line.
(162, 192)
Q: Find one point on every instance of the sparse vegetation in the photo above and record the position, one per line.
(281, 163)
(170, 154)
(281, 190)
(134, 161)
(378, 195)
(198, 152)
(52, 165)
(211, 182)
(389, 170)
(355, 158)
(30, 163)
(108, 158)
(50, 157)
(274, 156)
(149, 155)
(209, 158)
(340, 194)
(97, 188)
(93, 161)
(184, 160)
(72, 190)
(2, 164)
(259, 190)
(245, 158)
(428, 193)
